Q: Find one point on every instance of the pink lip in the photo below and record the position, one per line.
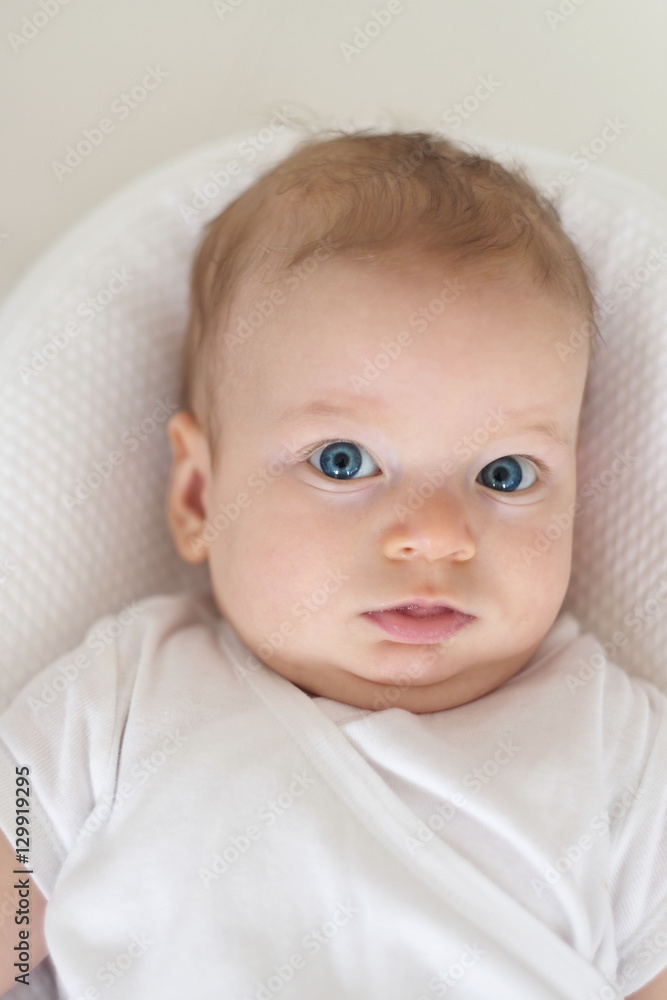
(442, 623)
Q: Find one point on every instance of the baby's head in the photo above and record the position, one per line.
(380, 416)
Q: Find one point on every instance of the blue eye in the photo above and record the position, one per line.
(510, 474)
(343, 460)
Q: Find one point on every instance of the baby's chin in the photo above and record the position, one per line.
(376, 697)
(417, 695)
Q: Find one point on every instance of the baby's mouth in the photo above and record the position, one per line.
(420, 623)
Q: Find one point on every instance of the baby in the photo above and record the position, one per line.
(357, 769)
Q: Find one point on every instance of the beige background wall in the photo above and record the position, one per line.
(551, 73)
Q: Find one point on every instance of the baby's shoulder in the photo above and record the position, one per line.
(151, 620)
(117, 651)
(591, 698)
(178, 609)
(580, 664)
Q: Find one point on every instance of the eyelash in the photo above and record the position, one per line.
(311, 449)
(306, 453)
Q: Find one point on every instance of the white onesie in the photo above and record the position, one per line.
(202, 827)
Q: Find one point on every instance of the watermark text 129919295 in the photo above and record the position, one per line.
(22, 884)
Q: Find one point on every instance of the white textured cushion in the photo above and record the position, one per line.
(64, 566)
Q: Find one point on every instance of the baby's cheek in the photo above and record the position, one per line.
(274, 552)
(538, 554)
(547, 560)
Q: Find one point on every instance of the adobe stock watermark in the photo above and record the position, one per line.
(97, 640)
(564, 10)
(635, 621)
(112, 971)
(451, 976)
(224, 7)
(142, 771)
(583, 156)
(384, 698)
(32, 25)
(246, 326)
(591, 491)
(8, 568)
(580, 336)
(572, 854)
(474, 781)
(425, 657)
(464, 449)
(581, 159)
(130, 441)
(313, 941)
(458, 113)
(365, 33)
(238, 845)
(623, 289)
(87, 309)
(419, 320)
(653, 944)
(121, 109)
(256, 484)
(246, 152)
(308, 605)
(607, 993)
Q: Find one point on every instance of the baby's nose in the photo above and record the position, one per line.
(438, 529)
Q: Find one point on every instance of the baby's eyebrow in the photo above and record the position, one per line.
(512, 423)
(549, 427)
(353, 407)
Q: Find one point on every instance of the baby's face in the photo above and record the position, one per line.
(360, 471)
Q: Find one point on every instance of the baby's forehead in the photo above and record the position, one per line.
(318, 312)
(324, 286)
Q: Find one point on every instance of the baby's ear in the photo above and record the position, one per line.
(189, 486)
